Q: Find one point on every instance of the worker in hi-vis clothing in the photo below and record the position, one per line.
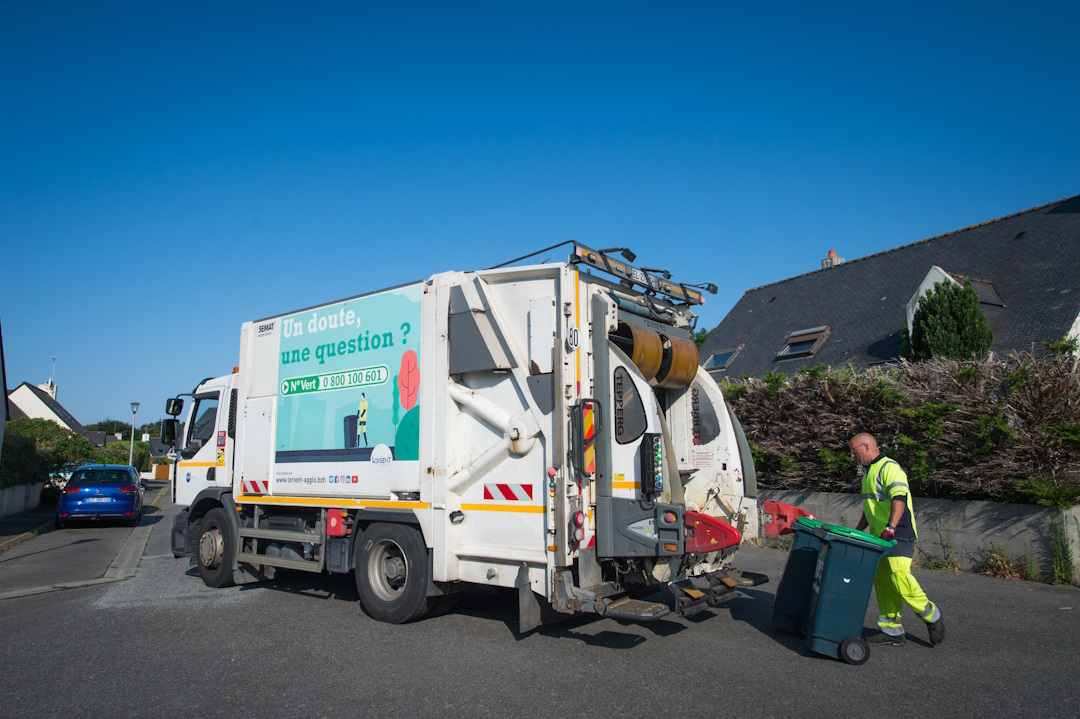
(888, 513)
(361, 419)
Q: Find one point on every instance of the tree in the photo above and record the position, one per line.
(112, 426)
(948, 323)
(700, 336)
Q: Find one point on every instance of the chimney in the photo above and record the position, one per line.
(831, 261)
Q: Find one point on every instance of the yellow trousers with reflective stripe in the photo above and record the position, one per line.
(894, 585)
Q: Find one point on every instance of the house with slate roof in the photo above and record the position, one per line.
(1025, 268)
(26, 400)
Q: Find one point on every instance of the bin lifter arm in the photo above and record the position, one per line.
(779, 517)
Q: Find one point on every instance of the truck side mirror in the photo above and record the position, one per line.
(174, 406)
(169, 429)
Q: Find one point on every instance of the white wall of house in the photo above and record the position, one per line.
(935, 276)
(1074, 332)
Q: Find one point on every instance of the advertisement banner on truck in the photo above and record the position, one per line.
(348, 414)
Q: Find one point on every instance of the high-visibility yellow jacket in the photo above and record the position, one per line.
(883, 482)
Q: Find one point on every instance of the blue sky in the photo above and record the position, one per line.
(169, 170)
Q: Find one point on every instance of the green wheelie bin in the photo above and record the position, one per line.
(792, 603)
(843, 577)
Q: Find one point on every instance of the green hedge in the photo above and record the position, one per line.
(36, 448)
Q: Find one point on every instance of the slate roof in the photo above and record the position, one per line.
(1028, 261)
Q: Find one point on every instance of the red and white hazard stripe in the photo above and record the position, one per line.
(509, 492)
(255, 486)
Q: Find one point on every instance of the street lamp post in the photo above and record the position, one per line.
(131, 451)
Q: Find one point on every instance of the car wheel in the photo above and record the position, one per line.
(215, 550)
(57, 524)
(392, 573)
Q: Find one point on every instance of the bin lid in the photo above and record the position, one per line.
(850, 533)
(807, 523)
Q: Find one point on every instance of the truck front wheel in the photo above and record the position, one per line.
(215, 550)
(392, 573)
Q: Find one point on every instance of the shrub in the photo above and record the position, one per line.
(996, 563)
(989, 430)
(1062, 347)
(35, 448)
(948, 323)
(1047, 492)
(774, 381)
(835, 462)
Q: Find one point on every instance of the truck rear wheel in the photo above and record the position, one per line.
(392, 573)
(215, 550)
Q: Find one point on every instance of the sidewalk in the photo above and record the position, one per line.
(15, 526)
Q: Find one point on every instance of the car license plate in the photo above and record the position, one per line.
(97, 499)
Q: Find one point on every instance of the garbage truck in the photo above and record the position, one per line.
(545, 428)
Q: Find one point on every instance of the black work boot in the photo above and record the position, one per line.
(936, 630)
(881, 639)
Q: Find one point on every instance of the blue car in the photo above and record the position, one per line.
(101, 491)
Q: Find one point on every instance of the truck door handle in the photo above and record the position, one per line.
(210, 476)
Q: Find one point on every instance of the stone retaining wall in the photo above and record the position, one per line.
(964, 531)
(20, 498)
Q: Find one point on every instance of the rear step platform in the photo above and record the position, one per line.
(636, 610)
(748, 579)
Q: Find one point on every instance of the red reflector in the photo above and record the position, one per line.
(71, 489)
(335, 526)
(129, 514)
(128, 488)
(579, 519)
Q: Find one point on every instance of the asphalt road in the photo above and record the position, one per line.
(163, 644)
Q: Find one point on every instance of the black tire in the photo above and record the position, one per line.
(392, 573)
(215, 550)
(443, 605)
(854, 650)
(57, 524)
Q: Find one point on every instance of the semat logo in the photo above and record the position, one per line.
(266, 328)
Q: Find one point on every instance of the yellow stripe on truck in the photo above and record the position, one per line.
(197, 464)
(528, 508)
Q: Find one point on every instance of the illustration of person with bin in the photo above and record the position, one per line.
(361, 420)
(888, 513)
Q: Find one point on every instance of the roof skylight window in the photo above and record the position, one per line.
(803, 343)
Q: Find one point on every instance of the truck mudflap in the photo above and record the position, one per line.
(694, 594)
(779, 517)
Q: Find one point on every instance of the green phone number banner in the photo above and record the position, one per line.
(362, 377)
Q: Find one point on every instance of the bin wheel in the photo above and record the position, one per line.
(854, 650)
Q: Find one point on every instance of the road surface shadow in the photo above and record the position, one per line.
(53, 549)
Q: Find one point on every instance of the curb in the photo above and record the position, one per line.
(18, 538)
